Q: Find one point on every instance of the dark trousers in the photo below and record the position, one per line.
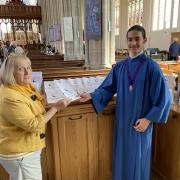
(173, 58)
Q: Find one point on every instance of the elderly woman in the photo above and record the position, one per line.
(22, 120)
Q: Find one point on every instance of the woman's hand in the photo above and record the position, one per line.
(84, 97)
(142, 124)
(61, 104)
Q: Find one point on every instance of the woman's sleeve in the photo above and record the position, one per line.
(20, 114)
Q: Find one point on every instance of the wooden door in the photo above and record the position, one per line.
(78, 147)
(105, 141)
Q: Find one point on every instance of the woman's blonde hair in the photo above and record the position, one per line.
(8, 67)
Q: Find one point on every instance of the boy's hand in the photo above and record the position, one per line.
(84, 97)
(142, 124)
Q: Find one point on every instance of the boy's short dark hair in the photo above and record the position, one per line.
(137, 28)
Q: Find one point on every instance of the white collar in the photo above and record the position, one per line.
(132, 56)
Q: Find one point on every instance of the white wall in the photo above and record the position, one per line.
(156, 39)
(159, 39)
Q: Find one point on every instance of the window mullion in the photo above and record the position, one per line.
(158, 14)
(172, 13)
(164, 20)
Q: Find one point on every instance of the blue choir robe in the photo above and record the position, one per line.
(150, 98)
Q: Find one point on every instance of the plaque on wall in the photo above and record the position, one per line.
(51, 34)
(93, 19)
(68, 29)
(37, 79)
(58, 35)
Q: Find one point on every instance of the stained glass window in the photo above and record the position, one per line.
(117, 6)
(135, 12)
(175, 13)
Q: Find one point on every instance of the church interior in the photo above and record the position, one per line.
(68, 40)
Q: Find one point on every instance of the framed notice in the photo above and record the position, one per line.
(68, 29)
(37, 79)
(51, 34)
(93, 13)
(57, 29)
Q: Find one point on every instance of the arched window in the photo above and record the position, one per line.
(135, 12)
(117, 6)
(165, 14)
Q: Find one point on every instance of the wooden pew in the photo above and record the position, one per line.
(168, 64)
(72, 73)
(41, 66)
(56, 69)
(174, 67)
(167, 71)
(58, 63)
(47, 57)
(42, 62)
(163, 66)
(35, 57)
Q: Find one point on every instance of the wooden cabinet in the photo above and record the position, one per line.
(105, 136)
(166, 150)
(3, 174)
(81, 144)
(77, 146)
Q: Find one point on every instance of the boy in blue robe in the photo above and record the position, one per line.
(142, 99)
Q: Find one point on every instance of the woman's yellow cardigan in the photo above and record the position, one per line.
(21, 123)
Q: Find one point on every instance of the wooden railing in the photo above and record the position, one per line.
(20, 12)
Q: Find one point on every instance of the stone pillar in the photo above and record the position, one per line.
(123, 23)
(105, 35)
(94, 54)
(100, 54)
(112, 33)
(147, 19)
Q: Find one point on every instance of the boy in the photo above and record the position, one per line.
(142, 98)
